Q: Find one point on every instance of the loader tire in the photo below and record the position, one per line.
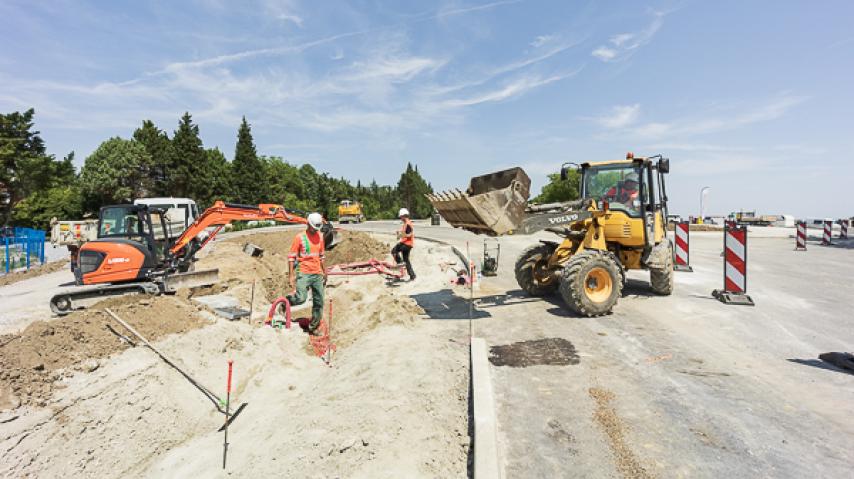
(533, 258)
(591, 283)
(661, 280)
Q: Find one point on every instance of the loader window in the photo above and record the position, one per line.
(620, 185)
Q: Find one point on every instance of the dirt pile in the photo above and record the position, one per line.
(271, 269)
(47, 351)
(365, 304)
(51, 267)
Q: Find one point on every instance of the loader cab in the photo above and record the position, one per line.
(137, 223)
(634, 186)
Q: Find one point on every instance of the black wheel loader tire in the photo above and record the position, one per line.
(661, 280)
(591, 283)
(526, 264)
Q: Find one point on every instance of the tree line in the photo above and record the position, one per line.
(36, 186)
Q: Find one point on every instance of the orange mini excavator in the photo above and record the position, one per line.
(133, 252)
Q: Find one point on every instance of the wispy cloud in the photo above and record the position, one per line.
(295, 19)
(543, 40)
(623, 45)
(706, 123)
(620, 116)
(450, 11)
(511, 90)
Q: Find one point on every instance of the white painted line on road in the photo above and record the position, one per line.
(487, 463)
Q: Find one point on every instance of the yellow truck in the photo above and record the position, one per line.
(350, 212)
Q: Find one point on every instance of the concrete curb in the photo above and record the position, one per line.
(487, 463)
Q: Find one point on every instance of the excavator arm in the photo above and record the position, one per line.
(221, 214)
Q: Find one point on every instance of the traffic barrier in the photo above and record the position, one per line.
(801, 236)
(735, 268)
(681, 249)
(828, 233)
(843, 232)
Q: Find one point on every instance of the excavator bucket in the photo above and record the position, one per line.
(494, 204)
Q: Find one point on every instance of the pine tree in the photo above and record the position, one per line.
(187, 177)
(250, 182)
(156, 142)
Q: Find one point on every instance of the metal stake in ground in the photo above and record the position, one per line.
(227, 404)
(252, 302)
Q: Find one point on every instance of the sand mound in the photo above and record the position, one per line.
(48, 350)
(270, 271)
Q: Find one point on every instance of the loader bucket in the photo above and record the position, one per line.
(494, 204)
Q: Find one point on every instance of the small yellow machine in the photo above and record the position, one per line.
(350, 212)
(619, 224)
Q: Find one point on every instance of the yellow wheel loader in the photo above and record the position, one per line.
(619, 224)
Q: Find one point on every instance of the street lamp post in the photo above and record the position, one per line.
(704, 192)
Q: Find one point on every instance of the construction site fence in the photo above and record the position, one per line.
(22, 248)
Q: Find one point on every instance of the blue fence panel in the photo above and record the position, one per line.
(21, 247)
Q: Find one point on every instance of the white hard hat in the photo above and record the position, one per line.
(315, 220)
(403, 212)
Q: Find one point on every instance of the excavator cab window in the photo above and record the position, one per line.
(123, 222)
(621, 185)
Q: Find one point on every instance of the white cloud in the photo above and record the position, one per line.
(624, 44)
(510, 90)
(618, 40)
(542, 40)
(604, 53)
(295, 19)
(621, 116)
(705, 123)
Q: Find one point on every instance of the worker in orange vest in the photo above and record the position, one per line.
(306, 259)
(406, 240)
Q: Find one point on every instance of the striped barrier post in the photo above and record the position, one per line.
(682, 251)
(735, 268)
(801, 236)
(843, 232)
(828, 233)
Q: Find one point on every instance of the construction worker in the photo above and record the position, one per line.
(627, 193)
(406, 240)
(306, 257)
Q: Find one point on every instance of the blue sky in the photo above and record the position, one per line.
(753, 99)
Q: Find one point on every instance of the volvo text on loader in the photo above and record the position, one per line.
(134, 252)
(619, 224)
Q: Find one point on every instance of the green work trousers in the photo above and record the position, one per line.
(314, 282)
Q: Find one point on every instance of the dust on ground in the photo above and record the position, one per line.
(51, 267)
(45, 351)
(606, 417)
(395, 398)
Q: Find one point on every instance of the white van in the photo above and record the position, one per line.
(180, 213)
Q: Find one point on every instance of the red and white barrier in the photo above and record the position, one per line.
(843, 232)
(681, 249)
(828, 233)
(801, 236)
(735, 268)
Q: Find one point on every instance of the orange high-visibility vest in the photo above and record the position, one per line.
(407, 239)
(308, 250)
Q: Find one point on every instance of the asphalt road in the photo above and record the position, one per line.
(678, 386)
